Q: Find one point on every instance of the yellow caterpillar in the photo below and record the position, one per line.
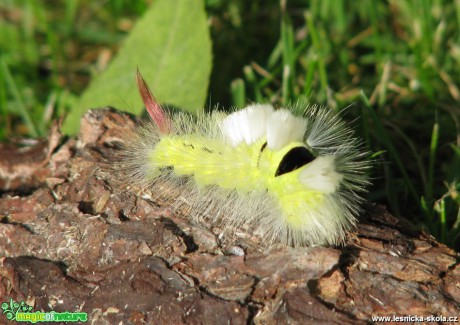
(295, 180)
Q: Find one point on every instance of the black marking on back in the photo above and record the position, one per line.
(263, 147)
(261, 150)
(294, 159)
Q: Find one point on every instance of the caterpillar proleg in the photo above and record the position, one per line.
(297, 180)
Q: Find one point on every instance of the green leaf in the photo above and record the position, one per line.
(171, 47)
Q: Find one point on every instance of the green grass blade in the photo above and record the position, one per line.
(431, 164)
(238, 93)
(322, 94)
(9, 81)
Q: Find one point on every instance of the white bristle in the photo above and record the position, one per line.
(247, 125)
(320, 175)
(283, 128)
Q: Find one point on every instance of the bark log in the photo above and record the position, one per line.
(71, 240)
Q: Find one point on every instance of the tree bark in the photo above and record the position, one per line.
(72, 239)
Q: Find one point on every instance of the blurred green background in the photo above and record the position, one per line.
(395, 66)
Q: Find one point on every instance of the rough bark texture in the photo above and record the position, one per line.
(72, 239)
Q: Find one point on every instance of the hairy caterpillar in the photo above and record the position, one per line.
(296, 180)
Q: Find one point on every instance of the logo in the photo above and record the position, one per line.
(22, 312)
